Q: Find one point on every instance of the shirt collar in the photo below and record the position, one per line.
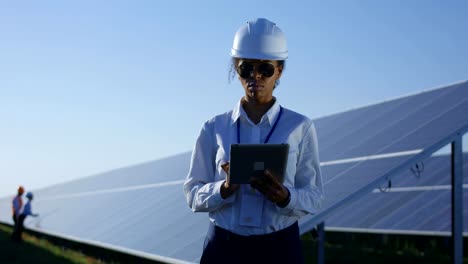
(271, 114)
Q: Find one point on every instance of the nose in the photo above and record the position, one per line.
(254, 74)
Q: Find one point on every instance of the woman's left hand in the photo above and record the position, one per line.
(269, 186)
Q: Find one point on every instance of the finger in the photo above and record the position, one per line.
(258, 185)
(225, 167)
(267, 183)
(231, 186)
(271, 177)
(275, 196)
(272, 190)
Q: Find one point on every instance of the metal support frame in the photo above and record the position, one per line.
(457, 200)
(455, 139)
(321, 243)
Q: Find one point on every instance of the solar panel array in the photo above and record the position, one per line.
(417, 202)
(142, 207)
(402, 128)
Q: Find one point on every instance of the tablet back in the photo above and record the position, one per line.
(249, 159)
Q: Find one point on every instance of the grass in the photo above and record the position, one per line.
(339, 248)
(38, 251)
(382, 249)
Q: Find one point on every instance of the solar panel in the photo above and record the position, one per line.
(142, 207)
(148, 213)
(417, 124)
(415, 203)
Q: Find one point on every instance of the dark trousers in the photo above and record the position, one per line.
(18, 230)
(222, 246)
(15, 223)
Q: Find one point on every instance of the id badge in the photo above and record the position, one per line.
(251, 210)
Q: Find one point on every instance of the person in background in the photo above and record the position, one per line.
(255, 222)
(27, 211)
(16, 206)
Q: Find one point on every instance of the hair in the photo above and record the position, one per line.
(233, 72)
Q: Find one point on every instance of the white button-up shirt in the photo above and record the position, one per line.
(303, 176)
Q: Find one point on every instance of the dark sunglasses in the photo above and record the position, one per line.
(245, 69)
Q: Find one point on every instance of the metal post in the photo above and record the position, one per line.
(321, 243)
(457, 200)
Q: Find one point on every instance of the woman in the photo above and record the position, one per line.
(256, 222)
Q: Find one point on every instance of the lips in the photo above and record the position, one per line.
(254, 86)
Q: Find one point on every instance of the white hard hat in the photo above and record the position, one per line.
(29, 195)
(260, 39)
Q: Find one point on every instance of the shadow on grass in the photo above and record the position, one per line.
(14, 253)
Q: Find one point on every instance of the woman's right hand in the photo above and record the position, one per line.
(228, 189)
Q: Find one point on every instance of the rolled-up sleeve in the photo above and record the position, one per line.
(202, 191)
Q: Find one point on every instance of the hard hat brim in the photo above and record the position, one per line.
(259, 56)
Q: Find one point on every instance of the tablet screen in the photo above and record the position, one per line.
(247, 160)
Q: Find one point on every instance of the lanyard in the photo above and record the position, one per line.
(269, 134)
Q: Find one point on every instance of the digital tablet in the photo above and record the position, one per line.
(247, 160)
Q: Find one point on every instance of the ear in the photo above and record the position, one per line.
(280, 71)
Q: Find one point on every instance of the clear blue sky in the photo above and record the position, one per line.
(90, 86)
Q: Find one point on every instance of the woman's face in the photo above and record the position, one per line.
(258, 78)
